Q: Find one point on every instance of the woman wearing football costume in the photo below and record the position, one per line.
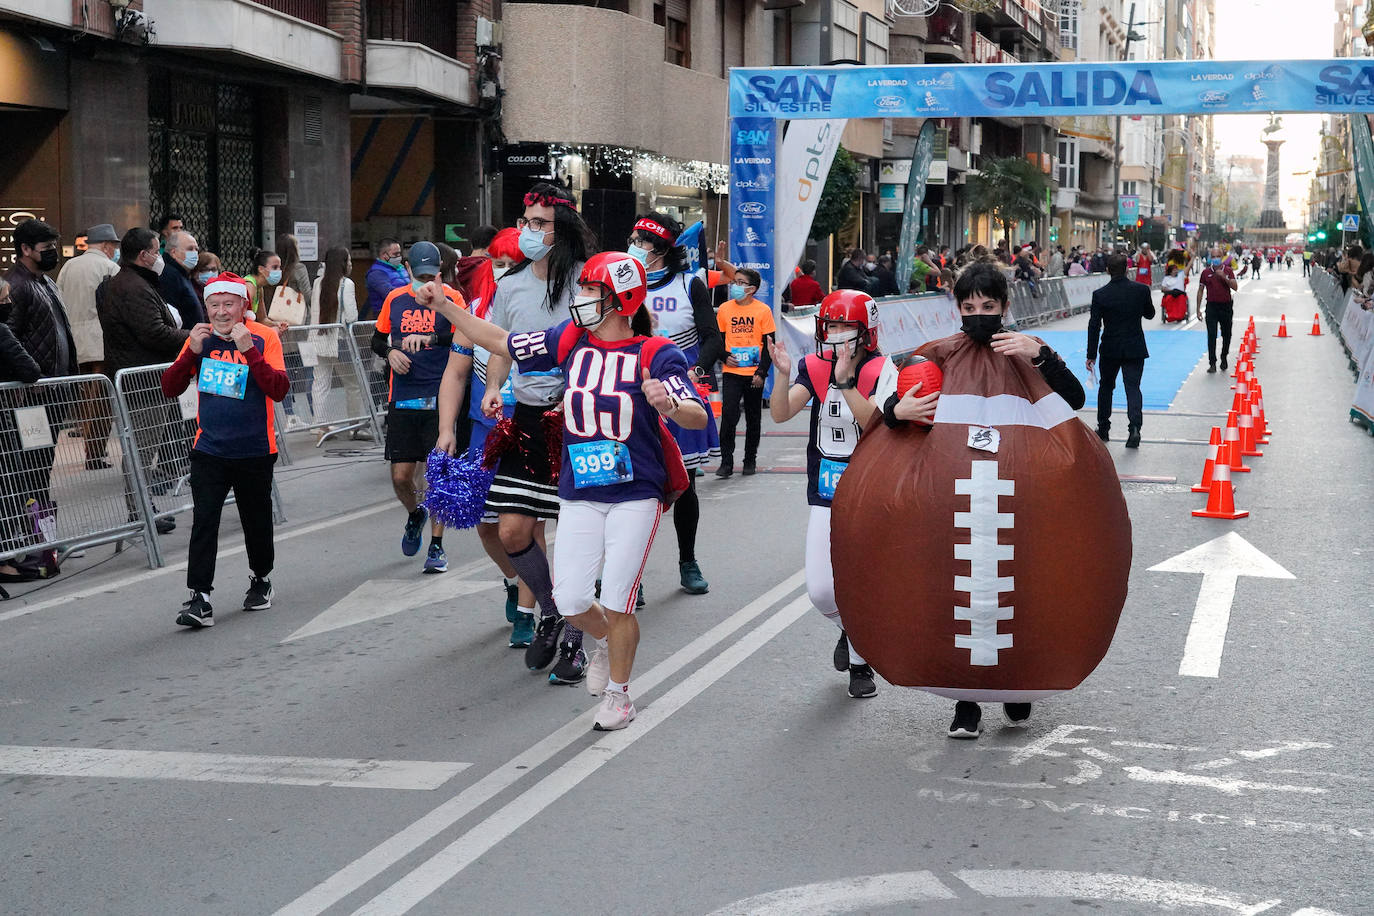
(839, 381)
(680, 305)
(618, 464)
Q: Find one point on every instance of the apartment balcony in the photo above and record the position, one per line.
(1024, 14)
(412, 66)
(604, 82)
(230, 28)
(947, 29)
(51, 12)
(986, 51)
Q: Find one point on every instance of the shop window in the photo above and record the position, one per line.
(676, 20)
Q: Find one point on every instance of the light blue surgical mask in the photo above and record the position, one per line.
(639, 254)
(532, 244)
(1215, 262)
(192, 259)
(737, 290)
(274, 277)
(116, 256)
(205, 276)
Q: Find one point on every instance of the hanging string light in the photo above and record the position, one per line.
(651, 168)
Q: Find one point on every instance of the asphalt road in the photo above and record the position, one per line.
(386, 753)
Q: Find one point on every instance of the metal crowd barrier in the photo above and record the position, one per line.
(372, 369)
(66, 469)
(330, 386)
(1052, 298)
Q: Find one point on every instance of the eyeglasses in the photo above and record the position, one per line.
(537, 224)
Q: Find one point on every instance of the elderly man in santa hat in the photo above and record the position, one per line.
(237, 368)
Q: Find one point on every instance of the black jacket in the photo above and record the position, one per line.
(852, 277)
(138, 329)
(180, 293)
(886, 282)
(16, 365)
(1121, 304)
(39, 322)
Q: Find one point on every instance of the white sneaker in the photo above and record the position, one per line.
(598, 671)
(616, 711)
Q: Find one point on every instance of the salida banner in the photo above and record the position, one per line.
(1052, 89)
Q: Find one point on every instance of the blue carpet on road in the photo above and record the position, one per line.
(1173, 355)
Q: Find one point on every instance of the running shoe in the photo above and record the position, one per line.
(639, 598)
(544, 646)
(196, 612)
(598, 670)
(616, 711)
(1018, 714)
(512, 601)
(693, 582)
(750, 469)
(572, 664)
(259, 594)
(437, 561)
(726, 469)
(861, 685)
(522, 630)
(842, 652)
(414, 533)
(966, 720)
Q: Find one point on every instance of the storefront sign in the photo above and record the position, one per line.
(891, 197)
(530, 160)
(894, 171)
(274, 200)
(308, 240)
(9, 218)
(1127, 209)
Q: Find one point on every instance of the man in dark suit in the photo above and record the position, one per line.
(1121, 305)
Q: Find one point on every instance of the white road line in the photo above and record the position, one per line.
(106, 763)
(458, 855)
(848, 895)
(1154, 746)
(1015, 883)
(1224, 785)
(372, 863)
(378, 598)
(135, 578)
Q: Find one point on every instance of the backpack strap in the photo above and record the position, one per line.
(650, 349)
(567, 340)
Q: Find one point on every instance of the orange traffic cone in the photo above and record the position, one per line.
(711, 397)
(1221, 500)
(1235, 458)
(1316, 325)
(1213, 447)
(1283, 326)
(1248, 446)
(1242, 389)
(1261, 421)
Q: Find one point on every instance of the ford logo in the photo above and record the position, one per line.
(888, 102)
(751, 208)
(1213, 97)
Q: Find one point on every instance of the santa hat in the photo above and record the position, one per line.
(227, 283)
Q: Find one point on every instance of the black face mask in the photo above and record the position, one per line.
(981, 327)
(47, 260)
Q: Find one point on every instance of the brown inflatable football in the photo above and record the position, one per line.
(984, 557)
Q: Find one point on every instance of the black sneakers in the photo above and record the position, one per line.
(544, 646)
(196, 612)
(967, 716)
(1133, 439)
(842, 653)
(726, 469)
(259, 594)
(1018, 714)
(750, 469)
(1102, 434)
(861, 684)
(1223, 362)
(572, 662)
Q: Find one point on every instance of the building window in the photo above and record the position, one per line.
(1068, 162)
(677, 31)
(844, 31)
(1128, 189)
(1068, 24)
(875, 40)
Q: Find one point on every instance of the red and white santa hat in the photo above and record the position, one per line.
(226, 283)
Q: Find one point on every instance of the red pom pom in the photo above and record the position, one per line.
(502, 440)
(553, 440)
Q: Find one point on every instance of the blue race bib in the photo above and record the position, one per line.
(418, 404)
(222, 378)
(745, 356)
(829, 477)
(508, 393)
(600, 464)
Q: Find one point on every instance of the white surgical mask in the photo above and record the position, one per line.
(158, 264)
(843, 340)
(498, 272)
(586, 311)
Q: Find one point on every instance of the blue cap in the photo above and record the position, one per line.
(424, 259)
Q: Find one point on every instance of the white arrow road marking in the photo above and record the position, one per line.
(849, 895)
(1122, 888)
(106, 763)
(383, 597)
(1220, 561)
(1222, 784)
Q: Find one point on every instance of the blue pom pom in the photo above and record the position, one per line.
(456, 488)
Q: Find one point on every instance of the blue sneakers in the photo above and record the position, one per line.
(437, 561)
(415, 530)
(522, 631)
(512, 599)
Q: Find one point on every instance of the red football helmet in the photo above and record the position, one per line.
(621, 276)
(851, 307)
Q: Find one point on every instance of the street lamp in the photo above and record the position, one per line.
(1131, 35)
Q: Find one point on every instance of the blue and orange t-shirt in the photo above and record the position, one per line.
(235, 391)
(402, 316)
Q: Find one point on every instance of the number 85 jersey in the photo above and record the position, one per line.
(611, 451)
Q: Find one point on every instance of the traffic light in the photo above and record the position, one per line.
(1321, 235)
(1312, 238)
(1139, 222)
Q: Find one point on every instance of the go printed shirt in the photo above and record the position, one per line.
(834, 432)
(402, 316)
(611, 448)
(235, 391)
(744, 325)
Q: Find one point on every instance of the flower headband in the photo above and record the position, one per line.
(547, 200)
(653, 228)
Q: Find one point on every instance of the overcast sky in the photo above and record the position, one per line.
(1274, 30)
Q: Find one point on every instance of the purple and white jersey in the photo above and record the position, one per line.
(611, 449)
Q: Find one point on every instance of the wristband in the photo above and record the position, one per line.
(846, 386)
(460, 349)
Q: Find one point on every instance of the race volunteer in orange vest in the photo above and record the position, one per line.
(415, 340)
(748, 327)
(238, 371)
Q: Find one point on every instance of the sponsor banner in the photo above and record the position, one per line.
(1127, 209)
(753, 151)
(1133, 88)
(804, 161)
(921, 159)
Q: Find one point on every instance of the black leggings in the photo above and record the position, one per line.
(686, 515)
(734, 389)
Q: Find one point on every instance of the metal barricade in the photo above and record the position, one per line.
(330, 389)
(372, 369)
(66, 478)
(160, 432)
